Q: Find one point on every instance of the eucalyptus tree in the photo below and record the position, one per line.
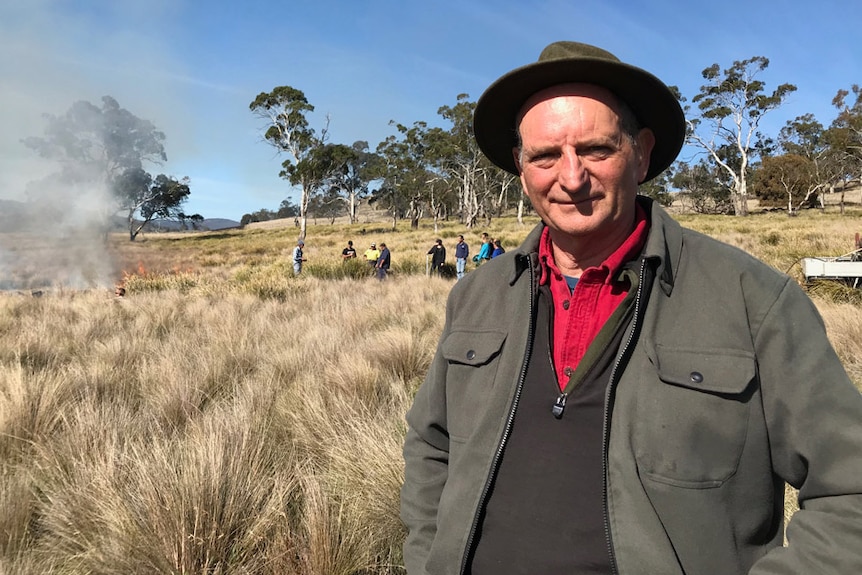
(700, 187)
(730, 107)
(460, 160)
(402, 166)
(287, 209)
(844, 137)
(787, 178)
(107, 148)
(97, 144)
(350, 175)
(803, 170)
(149, 198)
(849, 119)
(328, 204)
(287, 130)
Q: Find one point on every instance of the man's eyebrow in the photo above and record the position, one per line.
(538, 148)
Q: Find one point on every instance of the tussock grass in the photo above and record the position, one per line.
(210, 431)
(228, 417)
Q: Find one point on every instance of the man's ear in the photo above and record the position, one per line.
(645, 143)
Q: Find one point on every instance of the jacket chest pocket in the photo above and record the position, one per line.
(693, 420)
(473, 359)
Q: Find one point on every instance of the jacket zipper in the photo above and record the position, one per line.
(495, 463)
(609, 399)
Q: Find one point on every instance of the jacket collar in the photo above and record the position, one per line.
(664, 243)
(663, 246)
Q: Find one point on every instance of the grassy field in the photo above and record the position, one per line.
(226, 417)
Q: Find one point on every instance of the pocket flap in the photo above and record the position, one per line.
(472, 347)
(725, 371)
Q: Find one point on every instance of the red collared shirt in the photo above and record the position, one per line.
(580, 314)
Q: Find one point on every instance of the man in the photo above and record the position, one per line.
(349, 252)
(462, 252)
(485, 249)
(383, 262)
(619, 394)
(438, 257)
(498, 249)
(298, 258)
(372, 254)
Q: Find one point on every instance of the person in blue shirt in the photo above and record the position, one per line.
(498, 249)
(383, 262)
(485, 250)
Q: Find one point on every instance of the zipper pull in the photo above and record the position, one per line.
(559, 406)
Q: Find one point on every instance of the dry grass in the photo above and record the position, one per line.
(226, 417)
(209, 433)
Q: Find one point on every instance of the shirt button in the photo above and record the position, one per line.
(696, 377)
(568, 371)
(566, 304)
(471, 354)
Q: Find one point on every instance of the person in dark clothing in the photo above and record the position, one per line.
(619, 394)
(349, 252)
(438, 257)
(383, 261)
(462, 252)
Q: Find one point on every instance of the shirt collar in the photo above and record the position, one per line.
(627, 251)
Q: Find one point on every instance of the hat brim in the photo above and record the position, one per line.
(653, 103)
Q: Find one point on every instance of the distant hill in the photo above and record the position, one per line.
(208, 224)
(18, 216)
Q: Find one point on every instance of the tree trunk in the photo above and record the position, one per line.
(740, 200)
(303, 211)
(352, 208)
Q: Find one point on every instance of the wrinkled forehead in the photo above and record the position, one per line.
(590, 91)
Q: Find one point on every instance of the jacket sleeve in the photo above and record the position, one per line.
(814, 419)
(426, 464)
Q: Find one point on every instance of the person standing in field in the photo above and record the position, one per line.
(438, 257)
(620, 394)
(372, 254)
(485, 250)
(462, 252)
(383, 261)
(298, 257)
(349, 252)
(498, 249)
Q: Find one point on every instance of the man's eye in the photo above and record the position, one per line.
(599, 151)
(543, 157)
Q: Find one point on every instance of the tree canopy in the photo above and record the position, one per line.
(730, 107)
(284, 110)
(107, 147)
(436, 170)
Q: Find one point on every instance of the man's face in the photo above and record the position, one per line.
(578, 167)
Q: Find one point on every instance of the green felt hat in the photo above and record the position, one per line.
(652, 102)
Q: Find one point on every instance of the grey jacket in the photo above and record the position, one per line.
(725, 387)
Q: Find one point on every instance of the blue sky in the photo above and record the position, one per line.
(192, 67)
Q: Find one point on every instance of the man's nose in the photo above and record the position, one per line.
(572, 171)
